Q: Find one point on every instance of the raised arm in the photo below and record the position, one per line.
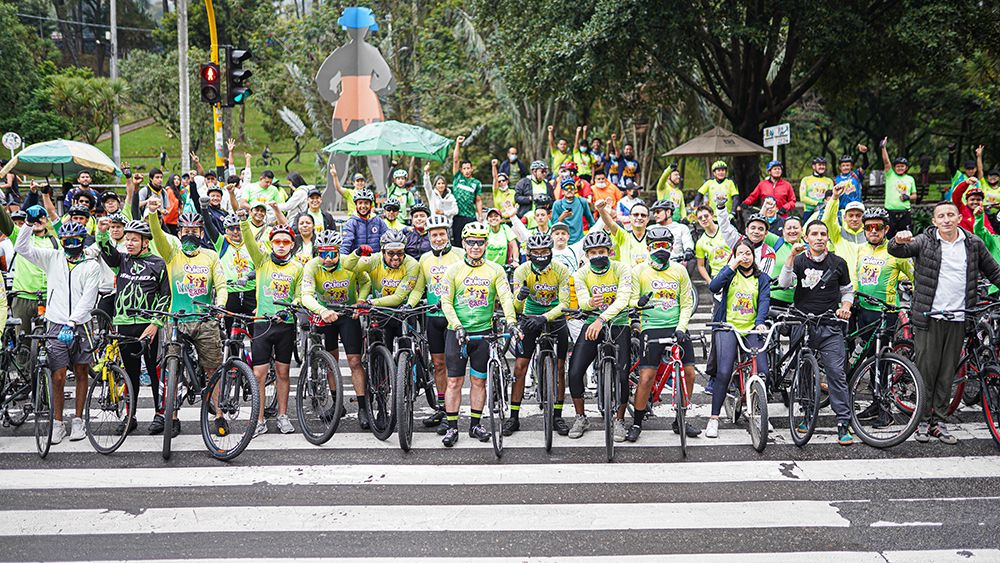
(886, 163)
(253, 249)
(979, 162)
(609, 222)
(457, 155)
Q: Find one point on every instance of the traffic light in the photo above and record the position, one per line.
(211, 90)
(237, 89)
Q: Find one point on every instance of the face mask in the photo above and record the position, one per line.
(503, 187)
(74, 253)
(564, 174)
(512, 157)
(660, 258)
(584, 148)
(540, 263)
(601, 184)
(189, 244)
(599, 264)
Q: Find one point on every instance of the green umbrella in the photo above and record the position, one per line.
(392, 138)
(59, 158)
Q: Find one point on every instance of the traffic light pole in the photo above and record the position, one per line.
(216, 108)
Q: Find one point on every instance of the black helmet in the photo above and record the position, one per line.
(79, 211)
(900, 160)
(847, 158)
(539, 240)
(757, 217)
(597, 239)
(542, 200)
(391, 204)
(659, 233)
(875, 213)
(420, 206)
(819, 160)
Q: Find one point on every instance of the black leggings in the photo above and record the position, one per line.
(584, 353)
(132, 360)
(242, 302)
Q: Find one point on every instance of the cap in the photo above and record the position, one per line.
(560, 225)
(503, 175)
(969, 164)
(313, 191)
(974, 191)
(855, 205)
(993, 172)
(259, 202)
(358, 176)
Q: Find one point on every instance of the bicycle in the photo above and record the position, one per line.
(16, 385)
(222, 397)
(498, 381)
(680, 400)
(543, 366)
(750, 386)
(885, 387)
(42, 408)
(413, 366)
(379, 371)
(110, 398)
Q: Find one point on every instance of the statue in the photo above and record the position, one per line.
(351, 79)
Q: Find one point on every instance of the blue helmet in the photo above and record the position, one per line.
(72, 230)
(772, 164)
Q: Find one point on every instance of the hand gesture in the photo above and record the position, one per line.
(551, 128)
(103, 224)
(248, 157)
(427, 168)
(884, 142)
(34, 186)
(844, 312)
(565, 215)
(153, 204)
(979, 151)
(614, 136)
(733, 262)
(578, 129)
(494, 163)
(231, 144)
(977, 210)
(720, 200)
(230, 187)
(904, 237)
(799, 248)
(838, 190)
(601, 204)
(137, 176)
(862, 148)
(242, 214)
(972, 181)
(273, 205)
(194, 157)
(203, 200)
(460, 139)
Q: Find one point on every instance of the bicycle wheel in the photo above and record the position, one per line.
(496, 405)
(803, 397)
(270, 393)
(546, 369)
(17, 393)
(878, 388)
(608, 407)
(44, 414)
(378, 389)
(260, 163)
(404, 399)
(319, 398)
(991, 400)
(680, 407)
(100, 329)
(425, 374)
(757, 414)
(232, 396)
(110, 408)
(170, 402)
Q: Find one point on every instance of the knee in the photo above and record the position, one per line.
(354, 361)
(455, 383)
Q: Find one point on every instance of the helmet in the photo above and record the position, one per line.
(659, 204)
(36, 212)
(538, 240)
(281, 230)
(659, 233)
(364, 194)
(230, 221)
(400, 173)
(900, 160)
(393, 238)
(140, 228)
(974, 191)
(438, 222)
(597, 239)
(419, 206)
(819, 160)
(79, 211)
(391, 204)
(719, 165)
(72, 229)
(475, 229)
(875, 213)
(538, 165)
(190, 220)
(847, 158)
(757, 217)
(118, 218)
(772, 164)
(329, 238)
(542, 200)
(568, 165)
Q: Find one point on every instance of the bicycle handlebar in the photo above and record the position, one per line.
(742, 334)
(974, 311)
(176, 316)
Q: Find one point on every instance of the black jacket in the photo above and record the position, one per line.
(523, 195)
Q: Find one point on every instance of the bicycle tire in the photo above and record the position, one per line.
(314, 385)
(22, 405)
(757, 414)
(378, 390)
(100, 328)
(495, 404)
(404, 397)
(680, 390)
(991, 400)
(903, 384)
(547, 375)
(117, 398)
(425, 373)
(233, 379)
(270, 384)
(169, 403)
(803, 396)
(607, 401)
(44, 413)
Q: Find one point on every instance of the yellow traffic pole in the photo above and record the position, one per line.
(216, 108)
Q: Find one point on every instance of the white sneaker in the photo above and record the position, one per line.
(58, 431)
(261, 428)
(285, 425)
(79, 432)
(580, 425)
(712, 430)
(619, 430)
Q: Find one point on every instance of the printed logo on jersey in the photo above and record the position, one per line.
(606, 292)
(664, 293)
(436, 286)
(241, 263)
(336, 290)
(476, 293)
(195, 281)
(871, 268)
(545, 293)
(721, 253)
(743, 303)
(812, 277)
(280, 286)
(902, 188)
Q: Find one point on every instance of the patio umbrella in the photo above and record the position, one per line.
(718, 142)
(59, 158)
(392, 138)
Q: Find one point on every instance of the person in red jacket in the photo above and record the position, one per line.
(775, 186)
(973, 200)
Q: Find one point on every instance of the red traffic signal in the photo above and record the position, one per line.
(210, 84)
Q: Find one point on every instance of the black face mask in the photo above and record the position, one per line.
(660, 258)
(540, 263)
(190, 243)
(600, 264)
(281, 261)
(74, 253)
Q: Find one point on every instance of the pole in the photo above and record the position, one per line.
(774, 152)
(216, 108)
(182, 81)
(116, 148)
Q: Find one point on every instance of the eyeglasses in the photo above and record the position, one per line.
(640, 214)
(475, 242)
(874, 228)
(324, 254)
(666, 245)
(393, 253)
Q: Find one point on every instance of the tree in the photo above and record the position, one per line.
(85, 102)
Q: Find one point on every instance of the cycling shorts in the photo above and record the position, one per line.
(272, 339)
(653, 352)
(437, 330)
(557, 328)
(349, 331)
(477, 355)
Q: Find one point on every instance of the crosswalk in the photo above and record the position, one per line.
(358, 498)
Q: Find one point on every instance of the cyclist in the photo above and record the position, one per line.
(854, 177)
(530, 187)
(900, 190)
(28, 277)
(279, 278)
(681, 232)
(195, 277)
(141, 283)
(327, 283)
(668, 188)
(430, 283)
(630, 247)
(237, 266)
(471, 289)
(847, 239)
(668, 288)
(391, 216)
(72, 295)
(401, 190)
(501, 244)
(745, 291)
(718, 186)
(417, 241)
(541, 289)
(813, 188)
(603, 288)
(791, 234)
(363, 230)
(822, 281)
(258, 221)
(711, 250)
(756, 232)
(775, 186)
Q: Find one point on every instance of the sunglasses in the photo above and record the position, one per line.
(475, 242)
(874, 228)
(661, 244)
(281, 242)
(324, 254)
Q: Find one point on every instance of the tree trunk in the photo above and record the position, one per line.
(242, 131)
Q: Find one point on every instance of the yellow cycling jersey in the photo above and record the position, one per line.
(322, 288)
(471, 293)
(614, 287)
(548, 292)
(390, 287)
(430, 280)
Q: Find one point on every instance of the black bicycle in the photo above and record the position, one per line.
(544, 365)
(379, 371)
(413, 372)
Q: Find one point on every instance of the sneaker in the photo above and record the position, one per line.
(175, 428)
(510, 426)
(434, 419)
(220, 427)
(710, 386)
(691, 431)
(923, 432)
(363, 419)
(802, 428)
(870, 413)
(156, 427)
(580, 425)
(712, 430)
(844, 437)
(132, 425)
(561, 427)
(883, 420)
(58, 432)
(79, 432)
(619, 430)
(480, 433)
(633, 433)
(442, 429)
(940, 431)
(450, 437)
(261, 428)
(285, 425)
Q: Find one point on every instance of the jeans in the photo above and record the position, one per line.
(727, 353)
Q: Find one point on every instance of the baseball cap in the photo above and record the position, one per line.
(358, 176)
(259, 202)
(314, 191)
(560, 225)
(855, 205)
